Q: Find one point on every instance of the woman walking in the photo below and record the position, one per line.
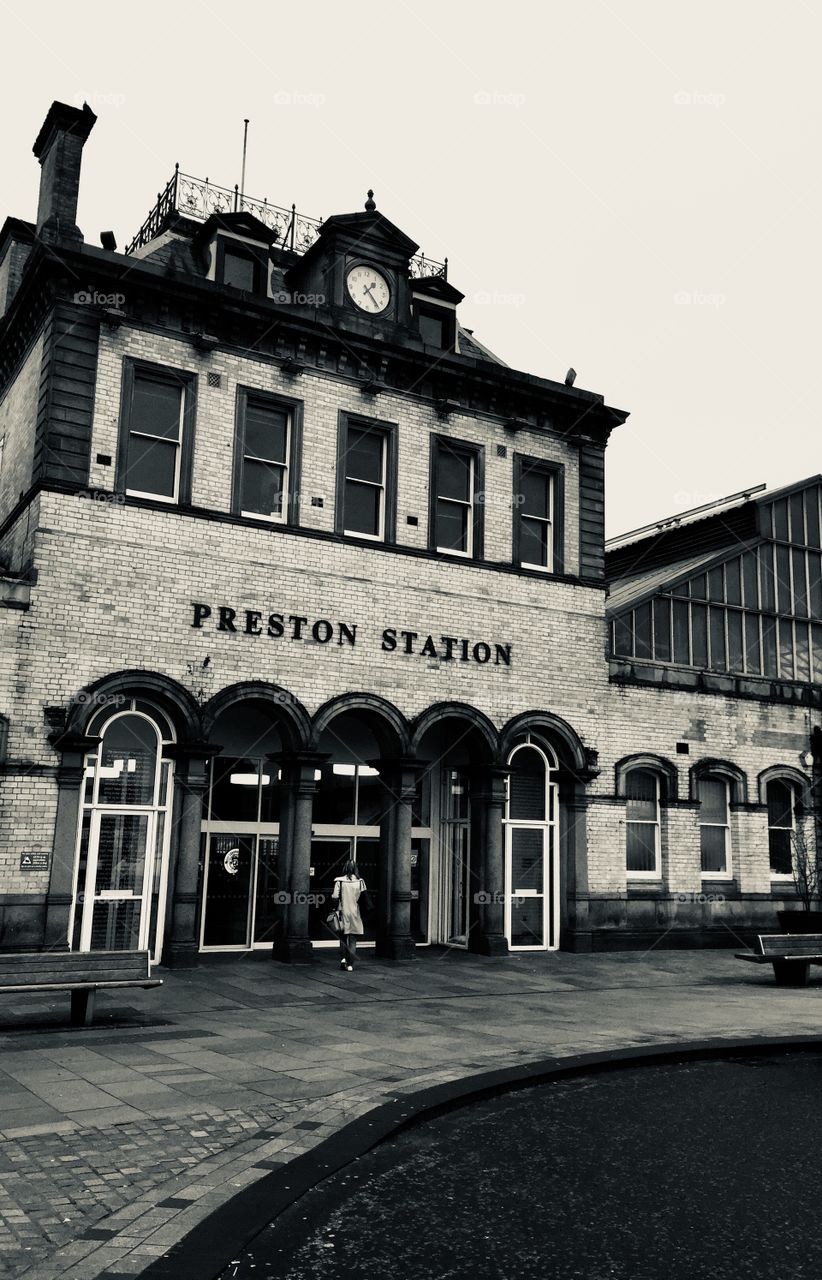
(348, 889)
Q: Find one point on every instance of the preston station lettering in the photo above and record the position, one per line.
(296, 626)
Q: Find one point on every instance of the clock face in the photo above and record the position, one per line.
(368, 289)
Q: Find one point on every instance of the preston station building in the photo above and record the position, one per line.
(293, 569)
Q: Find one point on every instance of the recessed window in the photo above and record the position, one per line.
(456, 505)
(432, 330)
(642, 823)
(238, 271)
(537, 511)
(366, 481)
(155, 443)
(267, 428)
(714, 829)
(781, 799)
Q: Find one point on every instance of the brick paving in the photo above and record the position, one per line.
(116, 1140)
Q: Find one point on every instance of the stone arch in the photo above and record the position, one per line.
(732, 774)
(389, 725)
(171, 698)
(439, 711)
(664, 769)
(561, 736)
(290, 714)
(784, 773)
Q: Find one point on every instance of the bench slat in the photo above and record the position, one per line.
(27, 968)
(85, 986)
(801, 945)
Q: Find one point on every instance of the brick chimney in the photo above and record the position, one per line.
(59, 148)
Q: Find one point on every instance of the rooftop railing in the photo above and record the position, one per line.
(198, 198)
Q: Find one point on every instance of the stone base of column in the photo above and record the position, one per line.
(294, 951)
(181, 955)
(488, 944)
(397, 947)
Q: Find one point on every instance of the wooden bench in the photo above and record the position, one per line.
(791, 955)
(82, 973)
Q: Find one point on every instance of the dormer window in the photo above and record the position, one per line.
(239, 270)
(437, 325)
(240, 266)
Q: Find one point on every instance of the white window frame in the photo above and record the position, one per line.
(727, 874)
(656, 872)
(543, 520)
(146, 435)
(282, 518)
(458, 502)
(549, 828)
(783, 877)
(380, 485)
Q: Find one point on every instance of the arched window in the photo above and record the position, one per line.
(714, 827)
(781, 799)
(531, 849)
(642, 852)
(123, 833)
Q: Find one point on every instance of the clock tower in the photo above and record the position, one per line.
(360, 265)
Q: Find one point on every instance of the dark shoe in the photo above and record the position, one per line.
(343, 965)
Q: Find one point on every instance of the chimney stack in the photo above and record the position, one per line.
(59, 148)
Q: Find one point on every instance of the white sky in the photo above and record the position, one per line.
(630, 187)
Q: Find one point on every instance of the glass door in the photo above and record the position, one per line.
(114, 915)
(455, 853)
(122, 838)
(531, 851)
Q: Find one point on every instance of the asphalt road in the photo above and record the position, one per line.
(690, 1171)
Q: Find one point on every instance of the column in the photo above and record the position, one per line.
(400, 778)
(299, 786)
(487, 936)
(190, 786)
(74, 749)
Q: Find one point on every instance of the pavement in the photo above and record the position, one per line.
(117, 1140)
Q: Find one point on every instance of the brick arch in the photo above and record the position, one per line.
(170, 697)
(560, 735)
(389, 725)
(731, 773)
(288, 712)
(455, 711)
(784, 773)
(665, 769)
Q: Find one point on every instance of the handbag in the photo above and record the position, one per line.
(334, 919)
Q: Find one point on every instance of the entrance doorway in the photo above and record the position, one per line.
(455, 857)
(122, 839)
(532, 850)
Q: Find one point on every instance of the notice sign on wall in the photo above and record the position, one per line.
(35, 861)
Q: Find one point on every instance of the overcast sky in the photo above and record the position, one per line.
(630, 187)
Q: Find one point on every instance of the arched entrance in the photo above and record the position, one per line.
(531, 824)
(121, 862)
(241, 830)
(360, 742)
(455, 746)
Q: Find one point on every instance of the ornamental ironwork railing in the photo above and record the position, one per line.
(198, 198)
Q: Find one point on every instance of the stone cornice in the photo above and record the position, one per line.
(182, 306)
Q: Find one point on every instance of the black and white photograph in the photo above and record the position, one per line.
(410, 641)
